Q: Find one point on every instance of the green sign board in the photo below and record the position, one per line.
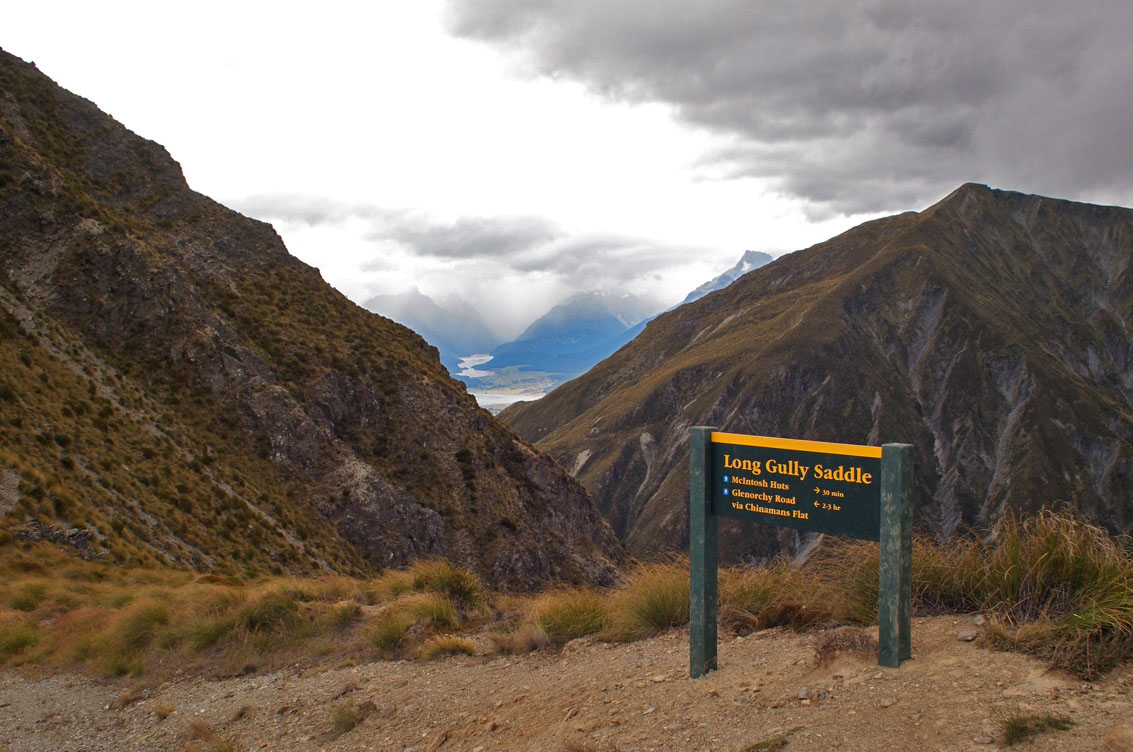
(807, 485)
(842, 489)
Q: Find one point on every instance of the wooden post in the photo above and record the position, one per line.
(702, 555)
(895, 586)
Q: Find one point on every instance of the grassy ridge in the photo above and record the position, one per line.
(1053, 586)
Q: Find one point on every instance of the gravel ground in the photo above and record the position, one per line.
(590, 696)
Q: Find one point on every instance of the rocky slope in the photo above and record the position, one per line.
(181, 390)
(992, 331)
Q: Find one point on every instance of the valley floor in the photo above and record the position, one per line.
(589, 696)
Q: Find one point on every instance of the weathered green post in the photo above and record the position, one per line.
(857, 491)
(895, 569)
(702, 556)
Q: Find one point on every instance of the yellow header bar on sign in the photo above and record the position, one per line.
(797, 445)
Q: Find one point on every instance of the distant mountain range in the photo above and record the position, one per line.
(749, 261)
(455, 328)
(992, 331)
(566, 341)
(176, 389)
(561, 344)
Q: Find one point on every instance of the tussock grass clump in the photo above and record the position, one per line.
(275, 611)
(343, 718)
(565, 615)
(16, 635)
(28, 596)
(389, 586)
(1017, 727)
(460, 585)
(845, 575)
(446, 644)
(430, 609)
(422, 613)
(654, 598)
(127, 638)
(231, 744)
(388, 631)
(344, 614)
(843, 640)
(136, 627)
(525, 638)
(778, 594)
(1056, 587)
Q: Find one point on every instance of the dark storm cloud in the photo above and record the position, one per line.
(858, 106)
(532, 245)
(468, 237)
(595, 259)
(523, 244)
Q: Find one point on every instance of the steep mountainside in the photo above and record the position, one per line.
(749, 261)
(177, 389)
(992, 331)
(456, 331)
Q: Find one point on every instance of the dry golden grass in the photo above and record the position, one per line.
(525, 638)
(565, 615)
(446, 644)
(1052, 586)
(655, 598)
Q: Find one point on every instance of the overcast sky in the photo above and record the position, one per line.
(514, 152)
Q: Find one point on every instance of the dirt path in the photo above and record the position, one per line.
(596, 696)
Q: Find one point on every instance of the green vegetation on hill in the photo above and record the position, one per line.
(84, 448)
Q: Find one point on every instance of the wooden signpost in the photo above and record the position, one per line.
(841, 489)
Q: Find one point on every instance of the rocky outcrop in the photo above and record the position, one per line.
(992, 331)
(311, 398)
